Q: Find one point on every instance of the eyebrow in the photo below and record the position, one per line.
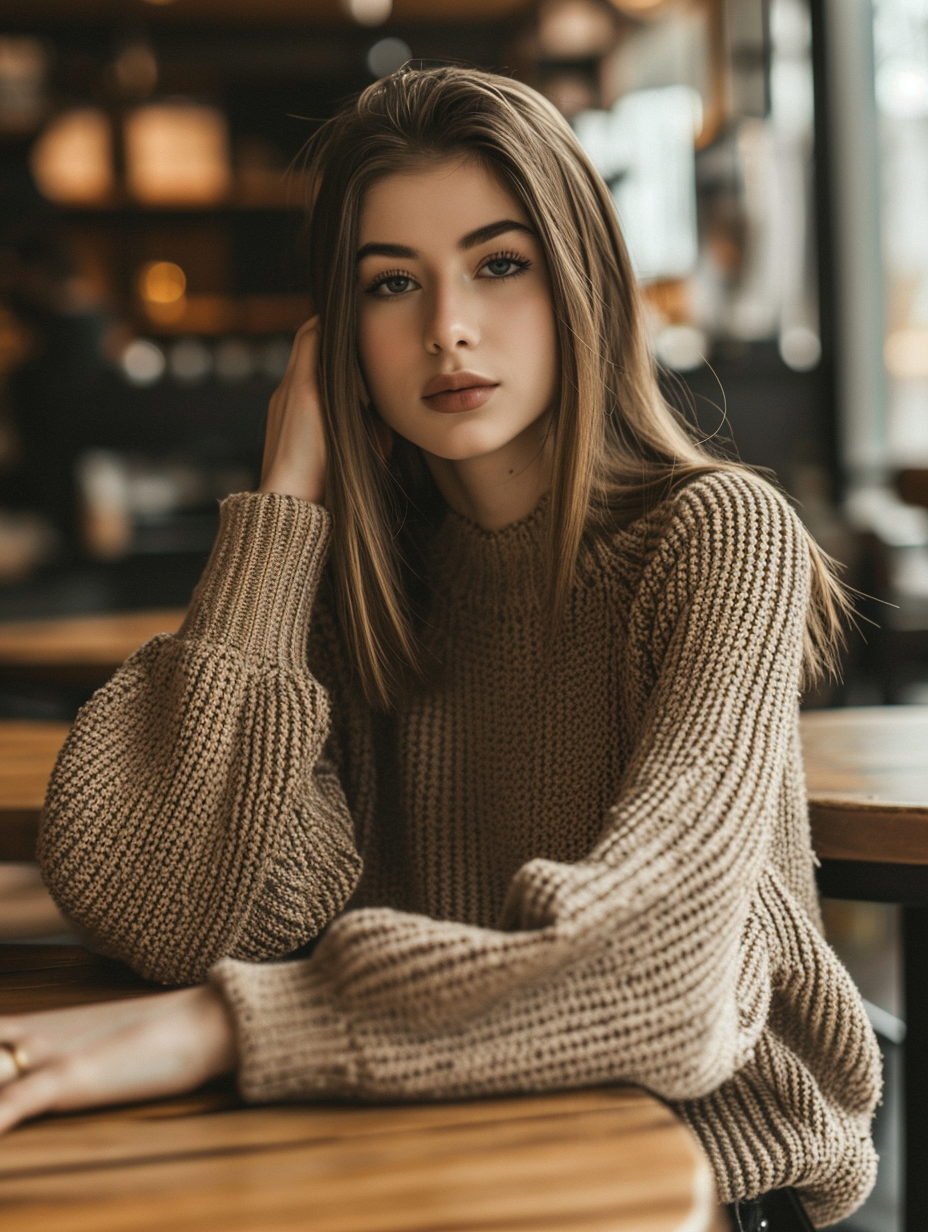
(471, 240)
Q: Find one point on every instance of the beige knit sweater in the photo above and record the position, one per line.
(587, 868)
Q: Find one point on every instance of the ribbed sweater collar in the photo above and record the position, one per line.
(489, 566)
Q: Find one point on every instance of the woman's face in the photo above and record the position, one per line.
(457, 332)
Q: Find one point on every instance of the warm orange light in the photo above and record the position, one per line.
(162, 282)
(72, 161)
(162, 286)
(177, 154)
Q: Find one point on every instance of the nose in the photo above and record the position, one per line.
(451, 321)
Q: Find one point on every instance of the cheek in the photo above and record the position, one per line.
(532, 337)
(371, 349)
(383, 344)
(547, 343)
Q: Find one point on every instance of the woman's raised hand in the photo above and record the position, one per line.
(113, 1053)
(294, 446)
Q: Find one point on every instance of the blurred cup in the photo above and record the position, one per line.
(105, 516)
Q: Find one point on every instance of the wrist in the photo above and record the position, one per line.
(293, 485)
(215, 1030)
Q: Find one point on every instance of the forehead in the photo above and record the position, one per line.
(440, 201)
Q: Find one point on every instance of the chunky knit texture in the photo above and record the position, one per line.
(581, 864)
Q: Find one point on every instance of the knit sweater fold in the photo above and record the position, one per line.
(192, 813)
(583, 863)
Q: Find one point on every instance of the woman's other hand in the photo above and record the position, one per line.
(113, 1053)
(294, 445)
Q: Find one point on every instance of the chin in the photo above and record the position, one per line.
(460, 441)
(465, 445)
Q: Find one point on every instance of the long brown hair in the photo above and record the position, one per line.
(617, 446)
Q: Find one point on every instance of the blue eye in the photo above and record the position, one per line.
(390, 284)
(396, 285)
(506, 265)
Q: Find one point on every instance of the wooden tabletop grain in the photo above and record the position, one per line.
(589, 1161)
(605, 1160)
(867, 777)
(78, 649)
(27, 756)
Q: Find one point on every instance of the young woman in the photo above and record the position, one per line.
(538, 774)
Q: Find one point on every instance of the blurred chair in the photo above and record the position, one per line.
(893, 583)
(912, 485)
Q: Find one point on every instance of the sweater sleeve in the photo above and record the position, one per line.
(647, 960)
(192, 813)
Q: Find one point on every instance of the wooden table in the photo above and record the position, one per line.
(606, 1160)
(867, 773)
(27, 755)
(77, 650)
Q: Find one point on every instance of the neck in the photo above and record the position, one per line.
(497, 489)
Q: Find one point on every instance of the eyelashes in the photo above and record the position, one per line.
(388, 276)
(508, 258)
(520, 263)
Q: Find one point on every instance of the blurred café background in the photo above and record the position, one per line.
(768, 160)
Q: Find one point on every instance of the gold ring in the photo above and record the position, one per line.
(18, 1056)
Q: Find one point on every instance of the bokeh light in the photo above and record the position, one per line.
(369, 12)
(72, 160)
(143, 362)
(387, 56)
(162, 282)
(177, 153)
(162, 287)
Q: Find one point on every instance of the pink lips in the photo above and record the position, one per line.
(457, 392)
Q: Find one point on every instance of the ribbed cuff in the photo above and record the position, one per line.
(257, 590)
(292, 1044)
